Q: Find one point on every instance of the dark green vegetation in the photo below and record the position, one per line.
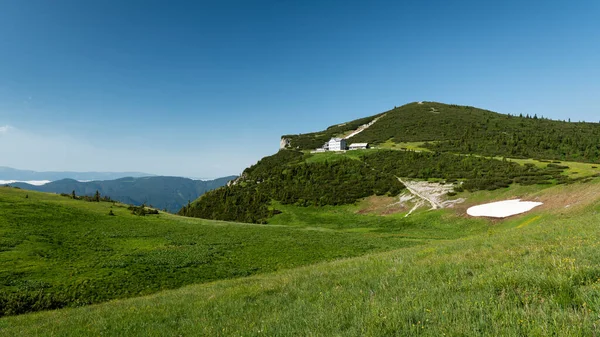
(170, 193)
(57, 252)
(140, 210)
(530, 275)
(465, 129)
(292, 177)
(287, 178)
(479, 173)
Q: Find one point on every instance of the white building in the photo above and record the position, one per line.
(359, 146)
(336, 144)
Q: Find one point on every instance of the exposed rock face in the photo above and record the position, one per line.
(284, 142)
(237, 180)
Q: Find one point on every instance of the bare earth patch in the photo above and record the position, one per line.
(381, 205)
(570, 197)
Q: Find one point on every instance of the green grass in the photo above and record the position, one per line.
(541, 279)
(334, 156)
(55, 251)
(415, 146)
(424, 225)
(575, 170)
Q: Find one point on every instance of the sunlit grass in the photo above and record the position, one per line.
(538, 280)
(414, 146)
(575, 170)
(73, 252)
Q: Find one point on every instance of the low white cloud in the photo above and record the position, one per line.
(5, 129)
(59, 152)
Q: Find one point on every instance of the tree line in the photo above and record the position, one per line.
(284, 177)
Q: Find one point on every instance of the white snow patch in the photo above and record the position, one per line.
(30, 182)
(503, 209)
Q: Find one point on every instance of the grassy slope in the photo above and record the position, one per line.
(56, 245)
(440, 225)
(541, 277)
(575, 170)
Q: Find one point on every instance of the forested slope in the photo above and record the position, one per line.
(291, 177)
(285, 177)
(466, 129)
(464, 141)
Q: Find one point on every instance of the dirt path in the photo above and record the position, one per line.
(362, 128)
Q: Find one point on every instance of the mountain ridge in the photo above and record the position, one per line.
(163, 192)
(9, 173)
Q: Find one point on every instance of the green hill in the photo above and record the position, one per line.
(463, 145)
(466, 129)
(170, 193)
(531, 275)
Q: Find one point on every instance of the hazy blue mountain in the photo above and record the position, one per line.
(170, 193)
(8, 173)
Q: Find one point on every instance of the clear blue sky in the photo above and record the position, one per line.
(206, 88)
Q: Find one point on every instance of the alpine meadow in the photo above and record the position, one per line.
(300, 168)
(361, 242)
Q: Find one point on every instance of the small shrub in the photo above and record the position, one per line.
(556, 166)
(141, 210)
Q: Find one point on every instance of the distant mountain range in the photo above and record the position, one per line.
(170, 193)
(8, 173)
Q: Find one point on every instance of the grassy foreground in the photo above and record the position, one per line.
(57, 252)
(539, 278)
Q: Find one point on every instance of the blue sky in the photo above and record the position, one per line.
(206, 88)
